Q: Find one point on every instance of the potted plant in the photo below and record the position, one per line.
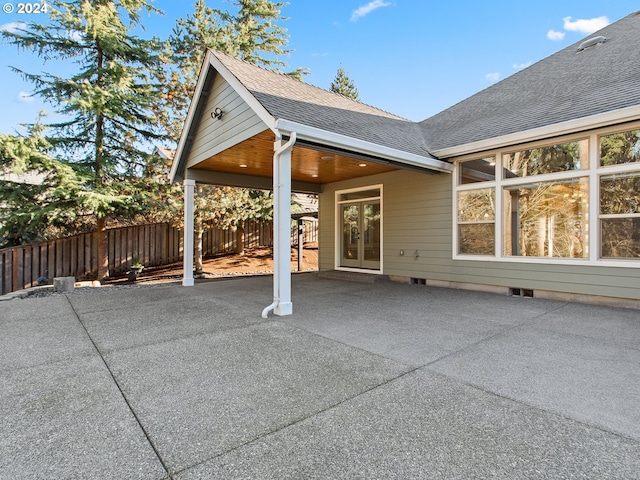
(135, 269)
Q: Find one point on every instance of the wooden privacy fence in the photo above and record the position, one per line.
(153, 245)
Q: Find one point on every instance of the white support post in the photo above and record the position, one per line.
(189, 188)
(282, 223)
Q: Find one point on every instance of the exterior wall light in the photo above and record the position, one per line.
(217, 114)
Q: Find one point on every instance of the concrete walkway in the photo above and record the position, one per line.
(370, 381)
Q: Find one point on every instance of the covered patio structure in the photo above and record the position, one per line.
(254, 128)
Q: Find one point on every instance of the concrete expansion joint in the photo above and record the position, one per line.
(122, 394)
(531, 405)
(300, 420)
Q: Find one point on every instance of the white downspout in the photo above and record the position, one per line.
(279, 149)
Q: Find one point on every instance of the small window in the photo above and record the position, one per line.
(620, 148)
(620, 215)
(476, 222)
(359, 194)
(474, 171)
(563, 157)
(620, 194)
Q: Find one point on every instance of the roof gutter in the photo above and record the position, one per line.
(613, 117)
(313, 134)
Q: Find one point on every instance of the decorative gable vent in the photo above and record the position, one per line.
(591, 42)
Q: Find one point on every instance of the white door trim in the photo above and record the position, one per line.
(338, 227)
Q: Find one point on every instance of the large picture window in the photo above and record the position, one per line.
(555, 201)
(547, 219)
(563, 201)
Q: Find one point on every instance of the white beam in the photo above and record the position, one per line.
(246, 181)
(187, 262)
(283, 223)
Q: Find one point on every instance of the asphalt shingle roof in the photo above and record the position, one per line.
(287, 98)
(567, 85)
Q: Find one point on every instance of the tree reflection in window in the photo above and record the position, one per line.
(620, 148)
(547, 219)
(564, 157)
(620, 203)
(476, 222)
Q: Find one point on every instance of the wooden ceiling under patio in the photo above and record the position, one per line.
(309, 164)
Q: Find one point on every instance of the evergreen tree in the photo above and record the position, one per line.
(29, 210)
(106, 102)
(253, 35)
(343, 85)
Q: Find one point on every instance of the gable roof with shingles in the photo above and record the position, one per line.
(570, 84)
(567, 85)
(287, 98)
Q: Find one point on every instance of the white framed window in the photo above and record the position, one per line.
(619, 190)
(574, 200)
(476, 221)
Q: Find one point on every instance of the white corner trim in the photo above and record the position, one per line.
(305, 132)
(600, 120)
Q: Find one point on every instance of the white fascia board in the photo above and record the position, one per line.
(186, 127)
(210, 61)
(305, 132)
(623, 115)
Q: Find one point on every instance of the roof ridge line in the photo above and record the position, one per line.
(398, 117)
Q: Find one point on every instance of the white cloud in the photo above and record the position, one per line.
(553, 35)
(368, 8)
(24, 97)
(585, 26)
(74, 35)
(521, 66)
(492, 77)
(12, 27)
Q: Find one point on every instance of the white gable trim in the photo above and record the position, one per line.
(245, 94)
(572, 126)
(305, 132)
(209, 64)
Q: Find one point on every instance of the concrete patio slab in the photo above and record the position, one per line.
(377, 380)
(411, 323)
(617, 326)
(200, 397)
(585, 379)
(67, 419)
(38, 331)
(158, 316)
(425, 425)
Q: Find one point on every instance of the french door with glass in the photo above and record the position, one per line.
(360, 224)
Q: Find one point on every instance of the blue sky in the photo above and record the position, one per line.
(413, 58)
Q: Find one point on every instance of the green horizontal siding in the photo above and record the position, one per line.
(417, 214)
